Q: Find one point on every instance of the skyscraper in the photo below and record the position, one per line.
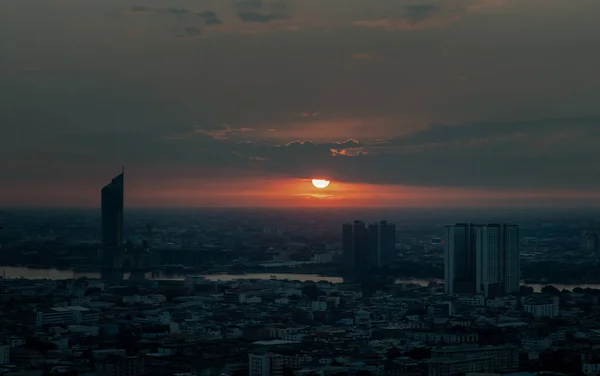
(459, 259)
(355, 247)
(367, 248)
(482, 259)
(348, 246)
(382, 244)
(512, 259)
(112, 228)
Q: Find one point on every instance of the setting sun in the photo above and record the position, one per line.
(319, 183)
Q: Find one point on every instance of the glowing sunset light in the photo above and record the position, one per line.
(319, 183)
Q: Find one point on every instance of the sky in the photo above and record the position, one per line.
(400, 103)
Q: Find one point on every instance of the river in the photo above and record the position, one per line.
(12, 272)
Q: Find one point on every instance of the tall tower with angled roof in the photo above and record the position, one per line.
(112, 227)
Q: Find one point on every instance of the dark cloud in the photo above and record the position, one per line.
(210, 18)
(261, 17)
(264, 5)
(428, 16)
(259, 11)
(416, 13)
(177, 11)
(170, 11)
(249, 4)
(486, 132)
(552, 153)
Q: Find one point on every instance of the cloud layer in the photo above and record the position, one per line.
(540, 154)
(437, 93)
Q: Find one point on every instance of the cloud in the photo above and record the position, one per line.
(177, 11)
(261, 11)
(416, 13)
(348, 148)
(261, 17)
(260, 159)
(428, 16)
(249, 4)
(366, 57)
(168, 11)
(224, 132)
(210, 18)
(538, 154)
(264, 5)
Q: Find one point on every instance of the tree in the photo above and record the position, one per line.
(287, 371)
(551, 290)
(93, 291)
(39, 345)
(419, 353)
(311, 291)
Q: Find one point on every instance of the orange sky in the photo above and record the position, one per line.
(292, 192)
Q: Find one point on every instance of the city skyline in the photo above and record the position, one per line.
(242, 103)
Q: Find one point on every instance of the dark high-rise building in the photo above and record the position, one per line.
(355, 247)
(367, 248)
(482, 259)
(348, 246)
(382, 244)
(112, 228)
(459, 259)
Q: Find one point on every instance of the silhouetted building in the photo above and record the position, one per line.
(459, 259)
(382, 244)
(367, 248)
(355, 247)
(112, 229)
(482, 259)
(347, 245)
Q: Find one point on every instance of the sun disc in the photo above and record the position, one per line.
(320, 183)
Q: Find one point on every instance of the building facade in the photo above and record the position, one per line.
(382, 244)
(368, 248)
(482, 259)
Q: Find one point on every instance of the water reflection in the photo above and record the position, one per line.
(58, 274)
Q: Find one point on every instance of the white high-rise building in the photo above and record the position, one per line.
(482, 259)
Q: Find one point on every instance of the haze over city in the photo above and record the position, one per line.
(243, 102)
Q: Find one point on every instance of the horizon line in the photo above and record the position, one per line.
(175, 207)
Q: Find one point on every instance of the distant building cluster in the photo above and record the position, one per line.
(478, 320)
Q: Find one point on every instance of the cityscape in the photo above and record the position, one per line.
(299, 188)
(328, 299)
